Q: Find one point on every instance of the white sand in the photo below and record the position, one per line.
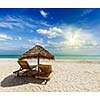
(67, 76)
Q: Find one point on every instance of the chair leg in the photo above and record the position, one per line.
(46, 82)
(17, 74)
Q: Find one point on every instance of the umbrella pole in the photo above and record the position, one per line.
(38, 63)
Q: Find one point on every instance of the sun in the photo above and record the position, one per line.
(74, 41)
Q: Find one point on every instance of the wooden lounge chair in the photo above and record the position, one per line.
(25, 67)
(44, 72)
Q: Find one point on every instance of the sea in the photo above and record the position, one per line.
(67, 57)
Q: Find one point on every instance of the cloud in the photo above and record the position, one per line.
(6, 25)
(45, 24)
(74, 40)
(43, 13)
(87, 11)
(5, 37)
(36, 41)
(51, 32)
(21, 23)
(29, 25)
(70, 37)
(20, 38)
(79, 38)
(12, 22)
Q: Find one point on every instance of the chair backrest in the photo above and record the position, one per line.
(46, 68)
(24, 64)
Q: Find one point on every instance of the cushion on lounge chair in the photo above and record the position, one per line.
(24, 69)
(45, 72)
(45, 68)
(24, 64)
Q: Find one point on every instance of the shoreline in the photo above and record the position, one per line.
(62, 57)
(56, 60)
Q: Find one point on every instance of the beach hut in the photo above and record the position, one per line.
(37, 52)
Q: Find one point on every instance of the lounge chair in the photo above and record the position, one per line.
(25, 68)
(44, 72)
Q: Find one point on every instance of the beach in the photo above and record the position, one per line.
(67, 76)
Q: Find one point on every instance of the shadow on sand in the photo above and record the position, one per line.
(12, 80)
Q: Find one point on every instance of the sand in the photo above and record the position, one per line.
(67, 76)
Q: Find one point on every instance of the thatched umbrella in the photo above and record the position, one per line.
(37, 52)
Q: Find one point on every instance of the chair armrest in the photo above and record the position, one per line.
(17, 71)
(32, 66)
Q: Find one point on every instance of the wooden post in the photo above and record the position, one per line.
(38, 62)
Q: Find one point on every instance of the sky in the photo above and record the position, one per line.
(62, 31)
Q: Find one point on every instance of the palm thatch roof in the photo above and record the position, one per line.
(35, 52)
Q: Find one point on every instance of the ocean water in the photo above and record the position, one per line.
(78, 57)
(9, 56)
(68, 57)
